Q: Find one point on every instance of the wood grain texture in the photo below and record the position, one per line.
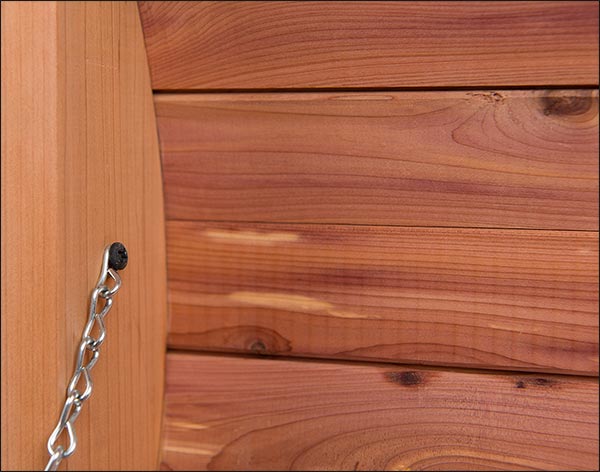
(525, 300)
(258, 45)
(80, 169)
(227, 413)
(517, 159)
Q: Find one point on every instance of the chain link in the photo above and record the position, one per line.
(87, 356)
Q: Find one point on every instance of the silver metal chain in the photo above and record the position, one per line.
(87, 354)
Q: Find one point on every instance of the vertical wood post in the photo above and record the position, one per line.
(80, 169)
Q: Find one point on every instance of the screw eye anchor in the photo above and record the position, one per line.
(117, 256)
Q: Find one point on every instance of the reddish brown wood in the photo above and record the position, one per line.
(524, 159)
(224, 45)
(508, 299)
(257, 414)
(80, 169)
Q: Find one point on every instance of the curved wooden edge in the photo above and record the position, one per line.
(80, 169)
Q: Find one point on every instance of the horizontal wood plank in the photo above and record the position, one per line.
(520, 159)
(230, 413)
(258, 45)
(508, 299)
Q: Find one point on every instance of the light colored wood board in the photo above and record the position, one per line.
(80, 169)
(525, 300)
(231, 413)
(518, 159)
(267, 45)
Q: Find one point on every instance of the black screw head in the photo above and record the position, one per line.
(117, 256)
